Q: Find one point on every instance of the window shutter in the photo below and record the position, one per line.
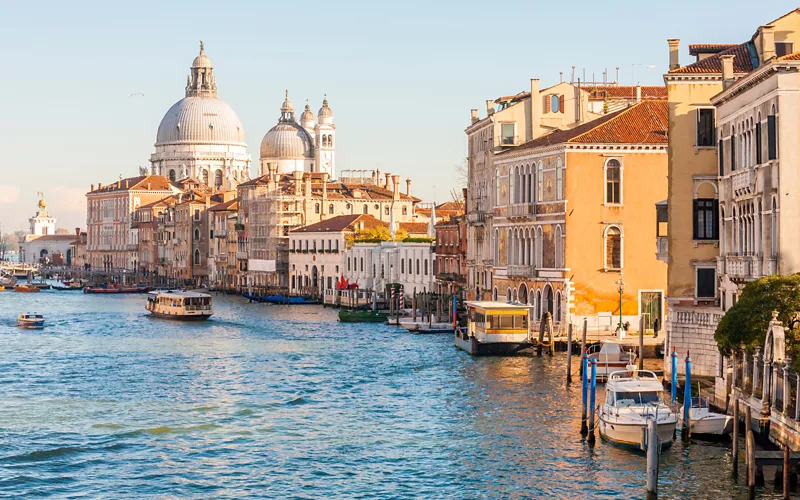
(758, 143)
(547, 104)
(721, 153)
(733, 153)
(694, 219)
(715, 224)
(561, 104)
(772, 138)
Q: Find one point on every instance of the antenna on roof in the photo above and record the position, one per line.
(572, 78)
(617, 78)
(560, 76)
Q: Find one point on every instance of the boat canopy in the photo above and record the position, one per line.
(638, 381)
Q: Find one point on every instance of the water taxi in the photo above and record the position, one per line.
(179, 305)
(496, 328)
(26, 289)
(30, 320)
(610, 358)
(704, 422)
(632, 399)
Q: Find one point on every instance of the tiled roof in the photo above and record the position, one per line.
(414, 227)
(335, 190)
(163, 202)
(742, 62)
(709, 48)
(341, 223)
(790, 57)
(643, 123)
(55, 237)
(139, 183)
(628, 92)
(226, 206)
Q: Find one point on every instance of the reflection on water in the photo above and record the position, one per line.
(278, 401)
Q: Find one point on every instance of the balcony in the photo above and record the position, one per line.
(508, 141)
(221, 234)
(661, 248)
(221, 257)
(520, 211)
(743, 183)
(520, 271)
(476, 218)
(238, 227)
(241, 255)
(738, 266)
(453, 277)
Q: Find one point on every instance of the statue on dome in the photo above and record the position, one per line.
(142, 171)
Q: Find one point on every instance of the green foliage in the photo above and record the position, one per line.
(379, 233)
(747, 322)
(418, 240)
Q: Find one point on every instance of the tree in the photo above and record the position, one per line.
(747, 322)
(380, 233)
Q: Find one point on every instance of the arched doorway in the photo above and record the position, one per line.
(314, 277)
(523, 293)
(548, 294)
(69, 257)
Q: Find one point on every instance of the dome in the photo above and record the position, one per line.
(201, 61)
(287, 140)
(200, 119)
(325, 111)
(307, 115)
(42, 203)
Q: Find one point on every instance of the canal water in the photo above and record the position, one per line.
(285, 402)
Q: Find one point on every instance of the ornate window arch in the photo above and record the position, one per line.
(512, 174)
(540, 182)
(613, 181)
(494, 294)
(557, 314)
(613, 248)
(508, 294)
(559, 179)
(559, 244)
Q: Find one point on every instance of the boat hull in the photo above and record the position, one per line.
(34, 325)
(425, 327)
(707, 423)
(347, 316)
(476, 348)
(26, 289)
(116, 290)
(630, 434)
(181, 317)
(281, 299)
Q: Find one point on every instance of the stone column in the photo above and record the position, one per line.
(766, 380)
(787, 392)
(733, 374)
(756, 355)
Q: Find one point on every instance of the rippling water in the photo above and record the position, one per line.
(285, 402)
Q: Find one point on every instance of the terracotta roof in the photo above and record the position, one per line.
(450, 205)
(628, 92)
(341, 223)
(163, 202)
(742, 62)
(335, 190)
(55, 237)
(139, 183)
(709, 48)
(414, 227)
(790, 57)
(231, 205)
(642, 123)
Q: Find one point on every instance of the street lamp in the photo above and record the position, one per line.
(620, 289)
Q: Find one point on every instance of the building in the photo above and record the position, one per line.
(374, 265)
(510, 121)
(696, 293)
(606, 99)
(316, 251)
(222, 252)
(305, 147)
(79, 255)
(112, 230)
(43, 244)
(569, 224)
(148, 217)
(200, 136)
(451, 253)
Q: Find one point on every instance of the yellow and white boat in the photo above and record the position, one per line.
(179, 305)
(496, 328)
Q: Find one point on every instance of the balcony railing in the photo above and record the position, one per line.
(476, 218)
(743, 182)
(520, 271)
(520, 210)
(662, 248)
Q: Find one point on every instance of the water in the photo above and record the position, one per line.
(285, 402)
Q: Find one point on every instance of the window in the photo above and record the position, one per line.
(330, 208)
(721, 154)
(772, 136)
(511, 197)
(613, 248)
(758, 140)
(172, 175)
(774, 229)
(507, 129)
(366, 209)
(613, 182)
(705, 127)
(417, 266)
(218, 179)
(196, 234)
(197, 214)
(402, 266)
(405, 210)
(556, 104)
(559, 181)
(539, 182)
(197, 257)
(362, 264)
(316, 208)
(497, 186)
(706, 219)
(386, 210)
(733, 152)
(426, 267)
(706, 286)
(783, 48)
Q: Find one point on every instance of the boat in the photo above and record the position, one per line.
(179, 305)
(496, 328)
(7, 279)
(281, 299)
(30, 320)
(633, 398)
(66, 288)
(2, 288)
(116, 289)
(425, 326)
(610, 358)
(704, 422)
(26, 289)
(40, 284)
(362, 316)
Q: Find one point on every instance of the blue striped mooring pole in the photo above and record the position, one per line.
(592, 400)
(674, 388)
(687, 397)
(584, 391)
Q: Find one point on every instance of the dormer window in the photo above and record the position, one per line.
(507, 129)
(783, 48)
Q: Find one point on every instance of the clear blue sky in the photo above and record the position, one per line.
(401, 77)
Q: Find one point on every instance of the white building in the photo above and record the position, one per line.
(300, 147)
(201, 136)
(375, 265)
(43, 244)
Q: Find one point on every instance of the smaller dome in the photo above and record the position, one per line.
(287, 140)
(307, 115)
(325, 111)
(42, 203)
(201, 61)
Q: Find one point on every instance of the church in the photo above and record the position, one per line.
(43, 245)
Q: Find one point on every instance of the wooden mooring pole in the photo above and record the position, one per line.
(787, 467)
(584, 391)
(751, 463)
(583, 343)
(569, 354)
(653, 449)
(592, 400)
(735, 437)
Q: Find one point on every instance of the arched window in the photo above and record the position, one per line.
(613, 248)
(362, 264)
(559, 248)
(554, 104)
(557, 315)
(497, 186)
(508, 294)
(204, 176)
(197, 257)
(538, 308)
(539, 182)
(425, 266)
(386, 210)
(548, 294)
(316, 208)
(559, 180)
(366, 208)
(774, 229)
(497, 247)
(511, 186)
(218, 179)
(402, 266)
(417, 266)
(523, 293)
(330, 208)
(172, 175)
(410, 267)
(613, 182)
(196, 234)
(330, 141)
(494, 294)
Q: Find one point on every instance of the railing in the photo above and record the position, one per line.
(476, 218)
(662, 248)
(770, 266)
(522, 271)
(742, 182)
(738, 266)
(520, 210)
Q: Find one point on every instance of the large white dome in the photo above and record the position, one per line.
(287, 140)
(200, 119)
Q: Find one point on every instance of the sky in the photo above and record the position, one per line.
(401, 77)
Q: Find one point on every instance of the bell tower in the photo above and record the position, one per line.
(325, 138)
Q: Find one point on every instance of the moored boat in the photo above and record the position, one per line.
(281, 299)
(30, 320)
(179, 305)
(633, 399)
(26, 289)
(496, 328)
(361, 316)
(421, 326)
(116, 289)
(704, 422)
(610, 358)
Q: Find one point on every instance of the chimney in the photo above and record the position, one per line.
(489, 107)
(298, 178)
(536, 110)
(767, 43)
(374, 177)
(408, 186)
(78, 232)
(92, 187)
(727, 70)
(148, 186)
(396, 187)
(638, 93)
(674, 47)
(388, 175)
(473, 115)
(378, 175)
(307, 179)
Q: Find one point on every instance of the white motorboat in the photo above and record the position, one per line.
(633, 399)
(610, 358)
(180, 305)
(30, 320)
(704, 421)
(421, 326)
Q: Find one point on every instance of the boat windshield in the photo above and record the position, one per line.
(637, 398)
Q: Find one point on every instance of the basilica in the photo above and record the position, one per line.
(202, 138)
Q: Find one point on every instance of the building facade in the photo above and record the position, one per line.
(374, 265)
(43, 244)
